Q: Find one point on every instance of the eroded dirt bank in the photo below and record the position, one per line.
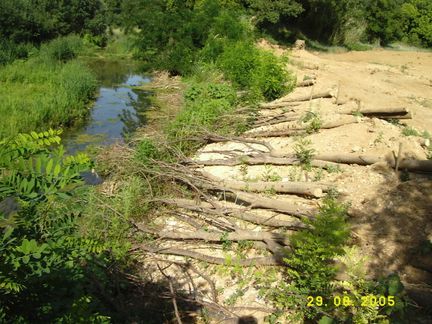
(390, 211)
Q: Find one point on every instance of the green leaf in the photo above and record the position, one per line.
(34, 135)
(57, 170)
(326, 320)
(49, 166)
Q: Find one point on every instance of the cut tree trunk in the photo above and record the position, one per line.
(260, 261)
(240, 235)
(306, 83)
(261, 159)
(404, 164)
(345, 120)
(299, 188)
(382, 113)
(238, 213)
(297, 99)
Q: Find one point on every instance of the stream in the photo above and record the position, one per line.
(118, 110)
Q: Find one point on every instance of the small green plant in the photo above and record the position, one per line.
(270, 175)
(319, 174)
(357, 113)
(226, 244)
(409, 131)
(304, 152)
(380, 138)
(295, 174)
(313, 121)
(333, 168)
(309, 271)
(244, 171)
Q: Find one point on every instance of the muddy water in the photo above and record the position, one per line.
(118, 110)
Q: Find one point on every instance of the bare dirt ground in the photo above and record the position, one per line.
(391, 212)
(391, 219)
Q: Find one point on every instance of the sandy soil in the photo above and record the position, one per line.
(390, 212)
(391, 219)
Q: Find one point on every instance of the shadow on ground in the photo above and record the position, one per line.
(395, 230)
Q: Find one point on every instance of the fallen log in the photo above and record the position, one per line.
(237, 213)
(299, 130)
(283, 118)
(240, 235)
(383, 113)
(306, 83)
(299, 188)
(281, 105)
(284, 207)
(260, 261)
(297, 99)
(261, 159)
(404, 164)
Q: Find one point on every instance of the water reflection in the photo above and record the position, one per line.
(118, 110)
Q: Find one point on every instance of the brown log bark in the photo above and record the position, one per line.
(299, 188)
(268, 121)
(306, 83)
(260, 261)
(260, 159)
(383, 113)
(285, 101)
(286, 132)
(240, 235)
(238, 213)
(348, 158)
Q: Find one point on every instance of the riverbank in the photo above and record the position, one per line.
(51, 89)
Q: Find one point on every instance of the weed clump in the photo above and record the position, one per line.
(40, 92)
(256, 70)
(62, 49)
(205, 105)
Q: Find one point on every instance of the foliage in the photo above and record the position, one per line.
(62, 49)
(401, 20)
(40, 93)
(171, 36)
(36, 21)
(260, 71)
(274, 10)
(304, 152)
(205, 104)
(310, 271)
(10, 51)
(410, 131)
(45, 263)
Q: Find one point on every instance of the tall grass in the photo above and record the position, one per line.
(44, 91)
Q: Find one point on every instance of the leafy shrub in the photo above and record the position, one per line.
(250, 68)
(10, 51)
(403, 20)
(62, 49)
(309, 269)
(41, 273)
(205, 104)
(271, 77)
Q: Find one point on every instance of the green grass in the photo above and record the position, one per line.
(37, 94)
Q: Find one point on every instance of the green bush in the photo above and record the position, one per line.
(205, 104)
(250, 68)
(62, 49)
(10, 51)
(42, 272)
(409, 21)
